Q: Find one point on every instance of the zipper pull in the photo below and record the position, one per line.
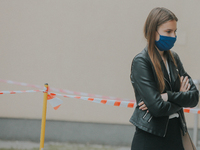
(150, 119)
(145, 115)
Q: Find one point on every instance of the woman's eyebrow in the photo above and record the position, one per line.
(170, 29)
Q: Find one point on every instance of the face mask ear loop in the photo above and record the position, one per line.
(158, 32)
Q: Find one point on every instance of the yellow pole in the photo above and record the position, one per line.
(44, 110)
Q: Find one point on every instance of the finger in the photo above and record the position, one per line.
(187, 81)
(143, 106)
(181, 78)
(188, 87)
(141, 103)
(184, 81)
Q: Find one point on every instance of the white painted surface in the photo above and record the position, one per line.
(84, 46)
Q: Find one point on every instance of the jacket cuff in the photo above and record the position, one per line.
(169, 93)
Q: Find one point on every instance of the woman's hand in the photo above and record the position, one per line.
(164, 96)
(142, 106)
(185, 85)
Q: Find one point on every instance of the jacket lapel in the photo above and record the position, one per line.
(173, 70)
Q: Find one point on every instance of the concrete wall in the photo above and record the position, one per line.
(71, 132)
(86, 46)
(64, 131)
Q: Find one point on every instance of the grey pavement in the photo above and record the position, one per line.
(26, 145)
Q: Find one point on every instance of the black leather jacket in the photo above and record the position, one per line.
(145, 84)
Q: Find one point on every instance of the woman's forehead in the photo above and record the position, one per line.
(172, 24)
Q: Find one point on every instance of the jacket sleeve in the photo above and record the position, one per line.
(184, 99)
(144, 83)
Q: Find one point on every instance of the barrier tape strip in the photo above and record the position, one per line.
(74, 92)
(46, 89)
(65, 91)
(56, 102)
(16, 92)
(192, 110)
(129, 104)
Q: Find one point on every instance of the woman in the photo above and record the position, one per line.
(162, 87)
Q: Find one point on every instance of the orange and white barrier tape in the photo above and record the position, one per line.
(66, 91)
(15, 92)
(129, 104)
(21, 83)
(54, 101)
(192, 110)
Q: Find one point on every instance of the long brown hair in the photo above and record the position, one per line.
(157, 17)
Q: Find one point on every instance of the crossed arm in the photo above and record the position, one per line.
(185, 86)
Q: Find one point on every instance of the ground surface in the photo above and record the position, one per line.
(19, 145)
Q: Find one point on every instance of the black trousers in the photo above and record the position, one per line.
(143, 140)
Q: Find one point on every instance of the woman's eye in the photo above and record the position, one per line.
(168, 31)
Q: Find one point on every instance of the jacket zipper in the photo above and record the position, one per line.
(150, 118)
(145, 115)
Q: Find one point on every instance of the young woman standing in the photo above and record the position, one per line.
(162, 87)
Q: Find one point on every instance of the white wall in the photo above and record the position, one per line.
(86, 46)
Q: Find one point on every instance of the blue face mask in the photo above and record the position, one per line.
(165, 43)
